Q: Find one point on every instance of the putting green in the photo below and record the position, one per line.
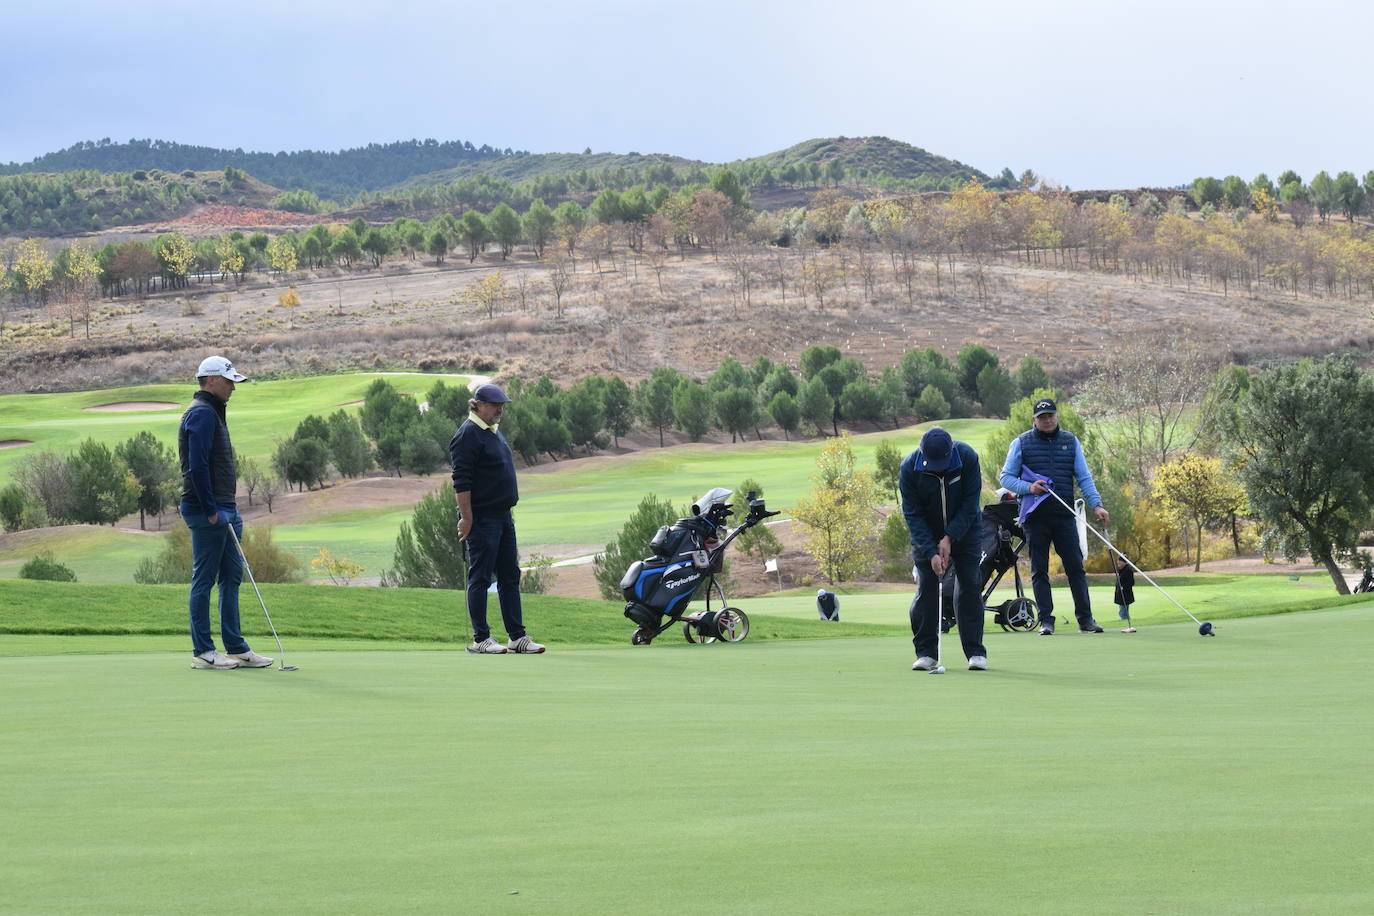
(1109, 774)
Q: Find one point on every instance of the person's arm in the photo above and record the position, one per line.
(461, 455)
(922, 539)
(1011, 470)
(967, 514)
(200, 436)
(1085, 483)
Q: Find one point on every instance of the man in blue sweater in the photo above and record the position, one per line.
(485, 488)
(1049, 458)
(209, 483)
(940, 484)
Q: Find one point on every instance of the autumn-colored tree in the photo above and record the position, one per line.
(282, 255)
(1193, 491)
(289, 300)
(175, 257)
(81, 270)
(839, 515)
(33, 268)
(487, 293)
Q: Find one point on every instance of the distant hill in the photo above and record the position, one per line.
(868, 157)
(329, 174)
(529, 166)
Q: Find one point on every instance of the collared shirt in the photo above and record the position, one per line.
(481, 424)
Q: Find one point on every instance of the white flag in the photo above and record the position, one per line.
(770, 566)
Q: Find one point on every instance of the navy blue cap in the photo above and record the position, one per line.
(1045, 405)
(492, 394)
(936, 448)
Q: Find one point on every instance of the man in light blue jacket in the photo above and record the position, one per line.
(1044, 462)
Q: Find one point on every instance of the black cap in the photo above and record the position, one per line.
(492, 394)
(936, 448)
(1045, 405)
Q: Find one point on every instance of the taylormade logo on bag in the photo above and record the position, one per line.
(675, 583)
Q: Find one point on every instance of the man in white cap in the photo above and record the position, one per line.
(827, 605)
(485, 488)
(209, 483)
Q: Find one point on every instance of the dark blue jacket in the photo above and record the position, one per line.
(942, 503)
(484, 466)
(208, 475)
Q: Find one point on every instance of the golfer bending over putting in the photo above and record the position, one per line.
(940, 484)
(484, 484)
(209, 483)
(1049, 458)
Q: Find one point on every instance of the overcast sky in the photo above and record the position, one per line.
(1091, 93)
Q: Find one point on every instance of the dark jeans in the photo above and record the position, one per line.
(492, 553)
(925, 607)
(1062, 531)
(214, 559)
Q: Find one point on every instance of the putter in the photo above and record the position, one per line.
(281, 653)
(1203, 628)
(939, 627)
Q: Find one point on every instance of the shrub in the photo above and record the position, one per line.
(538, 577)
(428, 554)
(172, 564)
(45, 567)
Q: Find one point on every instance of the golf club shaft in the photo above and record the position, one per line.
(1112, 547)
(940, 621)
(246, 568)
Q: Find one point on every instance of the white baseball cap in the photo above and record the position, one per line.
(218, 365)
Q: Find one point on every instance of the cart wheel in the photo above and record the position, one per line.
(693, 635)
(734, 625)
(641, 637)
(1020, 614)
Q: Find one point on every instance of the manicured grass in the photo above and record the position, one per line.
(1164, 773)
(95, 553)
(407, 614)
(1209, 596)
(259, 415)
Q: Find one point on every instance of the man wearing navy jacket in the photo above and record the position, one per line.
(485, 488)
(940, 484)
(209, 483)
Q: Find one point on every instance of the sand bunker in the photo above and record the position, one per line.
(130, 406)
(14, 443)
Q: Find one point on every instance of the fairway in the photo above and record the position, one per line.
(1110, 774)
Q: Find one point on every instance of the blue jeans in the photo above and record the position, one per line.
(968, 605)
(1062, 531)
(492, 553)
(214, 559)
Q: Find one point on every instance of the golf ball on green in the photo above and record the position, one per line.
(940, 670)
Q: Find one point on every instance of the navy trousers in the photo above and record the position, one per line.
(1061, 531)
(925, 607)
(492, 554)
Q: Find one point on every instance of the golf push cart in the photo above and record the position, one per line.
(1003, 541)
(659, 590)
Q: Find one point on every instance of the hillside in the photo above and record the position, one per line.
(537, 165)
(90, 200)
(866, 157)
(330, 174)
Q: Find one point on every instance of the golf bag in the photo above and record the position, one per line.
(1003, 541)
(1366, 583)
(686, 556)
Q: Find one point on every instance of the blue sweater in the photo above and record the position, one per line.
(942, 503)
(483, 466)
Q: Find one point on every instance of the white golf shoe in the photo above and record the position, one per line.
(924, 663)
(524, 646)
(251, 659)
(978, 663)
(212, 659)
(487, 646)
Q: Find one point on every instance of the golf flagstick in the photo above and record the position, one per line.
(1204, 629)
(281, 653)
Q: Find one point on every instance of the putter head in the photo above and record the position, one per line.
(1205, 629)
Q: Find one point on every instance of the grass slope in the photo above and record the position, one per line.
(260, 413)
(432, 616)
(1103, 775)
